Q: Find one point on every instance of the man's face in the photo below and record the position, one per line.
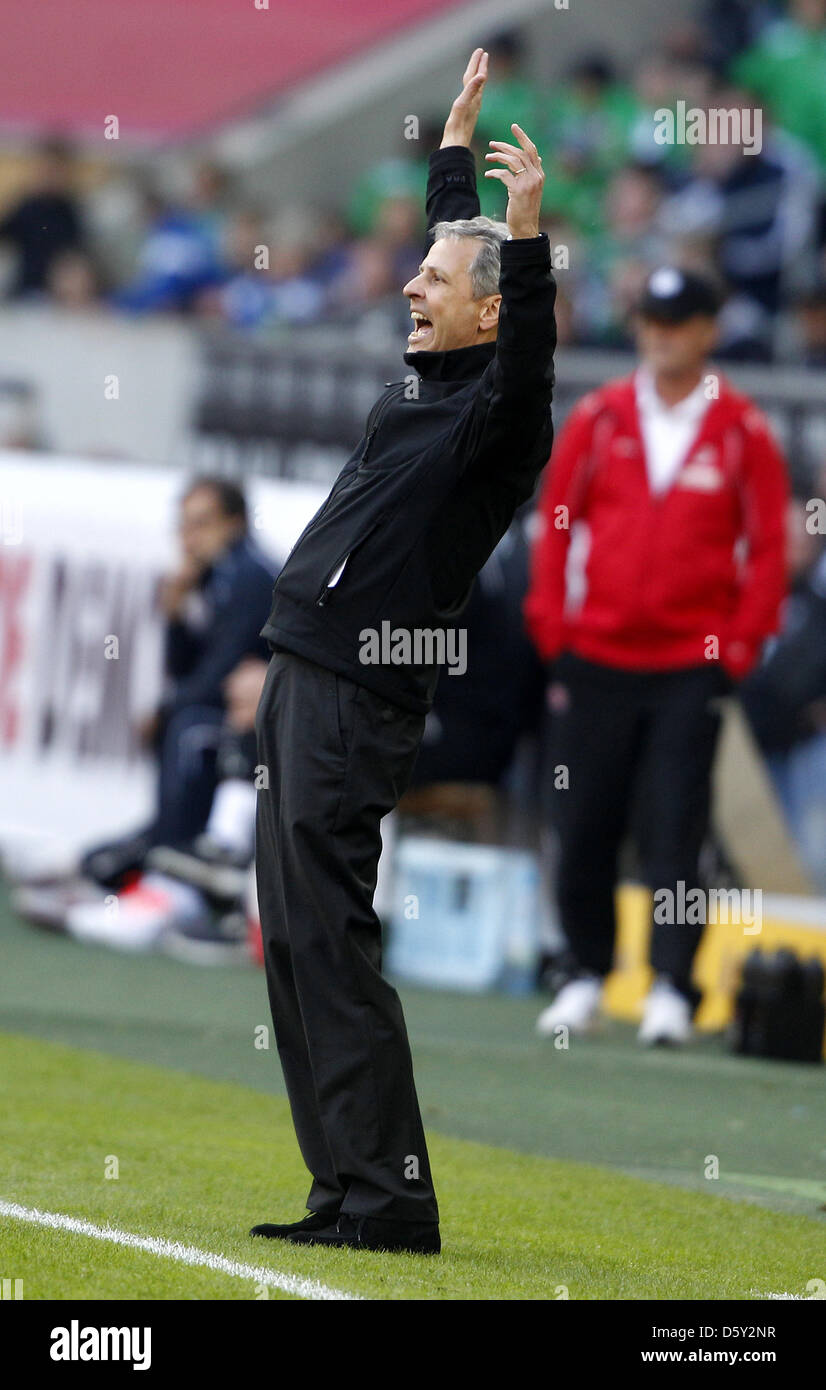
(204, 528)
(672, 349)
(442, 296)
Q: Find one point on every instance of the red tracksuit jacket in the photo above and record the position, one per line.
(664, 573)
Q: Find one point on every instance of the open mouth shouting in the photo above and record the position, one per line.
(422, 330)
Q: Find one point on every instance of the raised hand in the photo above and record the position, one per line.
(464, 112)
(524, 180)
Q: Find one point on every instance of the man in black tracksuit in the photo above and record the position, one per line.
(448, 455)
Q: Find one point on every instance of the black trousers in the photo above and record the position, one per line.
(641, 742)
(338, 758)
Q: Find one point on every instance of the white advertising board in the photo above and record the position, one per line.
(82, 546)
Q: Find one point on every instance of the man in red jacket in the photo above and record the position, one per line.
(657, 574)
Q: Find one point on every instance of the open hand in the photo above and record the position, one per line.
(464, 113)
(524, 180)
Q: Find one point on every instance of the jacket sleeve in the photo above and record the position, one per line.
(763, 584)
(507, 429)
(559, 507)
(451, 187)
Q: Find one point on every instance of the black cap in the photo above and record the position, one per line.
(672, 296)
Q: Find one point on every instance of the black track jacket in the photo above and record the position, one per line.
(447, 456)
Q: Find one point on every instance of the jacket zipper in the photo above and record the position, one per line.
(377, 415)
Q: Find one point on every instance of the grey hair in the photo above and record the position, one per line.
(484, 269)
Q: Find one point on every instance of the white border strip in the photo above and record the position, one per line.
(184, 1254)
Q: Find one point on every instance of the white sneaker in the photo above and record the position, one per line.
(666, 1017)
(575, 1008)
(137, 918)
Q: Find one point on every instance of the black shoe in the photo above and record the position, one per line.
(110, 864)
(218, 940)
(298, 1230)
(372, 1233)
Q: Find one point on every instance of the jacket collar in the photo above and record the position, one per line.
(459, 364)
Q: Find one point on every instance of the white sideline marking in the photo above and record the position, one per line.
(174, 1250)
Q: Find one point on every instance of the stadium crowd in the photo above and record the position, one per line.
(616, 199)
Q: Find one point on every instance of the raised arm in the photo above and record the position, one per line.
(511, 411)
(451, 186)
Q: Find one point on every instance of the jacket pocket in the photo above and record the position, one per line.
(342, 564)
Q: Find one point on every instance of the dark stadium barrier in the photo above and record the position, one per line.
(266, 402)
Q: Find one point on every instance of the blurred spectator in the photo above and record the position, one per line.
(268, 276)
(655, 486)
(331, 246)
(215, 605)
(187, 897)
(377, 266)
(245, 296)
(779, 695)
(209, 201)
(510, 95)
(624, 288)
(586, 133)
(216, 865)
(621, 201)
(810, 323)
(178, 260)
(759, 208)
(616, 255)
(659, 82)
(72, 281)
(399, 227)
(787, 68)
(478, 716)
(297, 296)
(785, 698)
(20, 422)
(400, 176)
(46, 221)
(729, 26)
(242, 690)
(590, 118)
